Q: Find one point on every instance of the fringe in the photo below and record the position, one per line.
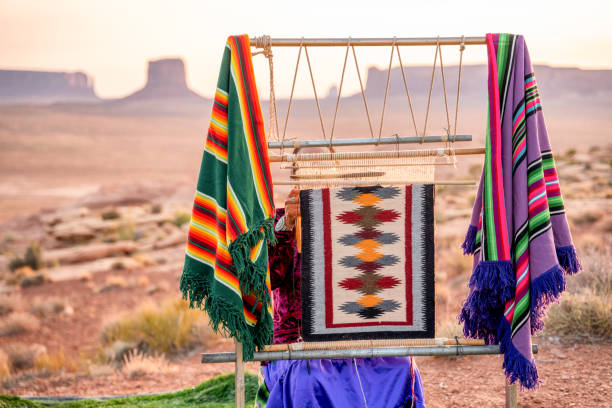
(470, 240)
(252, 277)
(568, 259)
(228, 317)
(493, 285)
(194, 285)
(545, 289)
(480, 327)
(495, 279)
(517, 367)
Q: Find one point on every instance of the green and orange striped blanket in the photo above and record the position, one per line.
(226, 264)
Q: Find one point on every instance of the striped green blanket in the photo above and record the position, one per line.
(226, 264)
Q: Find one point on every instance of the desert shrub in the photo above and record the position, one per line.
(43, 307)
(456, 264)
(169, 328)
(449, 329)
(588, 217)
(113, 282)
(137, 364)
(8, 304)
(17, 323)
(581, 317)
(5, 365)
(31, 258)
(126, 231)
(111, 214)
(181, 218)
(55, 362)
(585, 313)
(156, 208)
(23, 356)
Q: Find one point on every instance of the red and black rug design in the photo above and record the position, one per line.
(367, 263)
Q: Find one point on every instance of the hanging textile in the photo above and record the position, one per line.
(367, 262)
(518, 231)
(226, 264)
(285, 266)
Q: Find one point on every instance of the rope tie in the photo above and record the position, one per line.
(433, 74)
(382, 115)
(314, 88)
(461, 49)
(297, 64)
(362, 91)
(448, 126)
(331, 137)
(399, 57)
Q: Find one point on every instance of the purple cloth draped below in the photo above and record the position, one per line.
(386, 381)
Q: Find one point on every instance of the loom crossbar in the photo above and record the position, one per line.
(359, 353)
(374, 155)
(260, 42)
(368, 141)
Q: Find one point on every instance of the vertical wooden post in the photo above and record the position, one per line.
(239, 376)
(511, 395)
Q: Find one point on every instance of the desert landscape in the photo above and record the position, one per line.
(95, 201)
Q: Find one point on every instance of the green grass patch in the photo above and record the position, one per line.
(215, 393)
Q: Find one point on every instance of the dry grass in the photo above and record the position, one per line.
(17, 323)
(585, 313)
(169, 328)
(581, 317)
(112, 282)
(43, 307)
(181, 218)
(55, 363)
(456, 264)
(31, 258)
(9, 303)
(23, 356)
(138, 364)
(588, 217)
(449, 329)
(5, 365)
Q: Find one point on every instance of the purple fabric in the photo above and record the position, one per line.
(546, 249)
(386, 383)
(285, 262)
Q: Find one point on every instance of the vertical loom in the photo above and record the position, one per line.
(384, 162)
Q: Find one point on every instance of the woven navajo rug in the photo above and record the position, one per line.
(367, 263)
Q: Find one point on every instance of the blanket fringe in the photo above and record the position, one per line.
(492, 284)
(228, 318)
(517, 367)
(251, 275)
(568, 259)
(545, 289)
(476, 326)
(470, 240)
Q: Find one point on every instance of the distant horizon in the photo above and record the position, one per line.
(210, 95)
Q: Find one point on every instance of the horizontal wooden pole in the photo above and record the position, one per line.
(348, 344)
(261, 41)
(368, 141)
(361, 182)
(359, 353)
(276, 158)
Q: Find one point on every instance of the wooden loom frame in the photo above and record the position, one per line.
(364, 348)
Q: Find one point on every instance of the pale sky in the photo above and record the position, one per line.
(112, 39)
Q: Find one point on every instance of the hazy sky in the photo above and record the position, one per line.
(112, 39)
